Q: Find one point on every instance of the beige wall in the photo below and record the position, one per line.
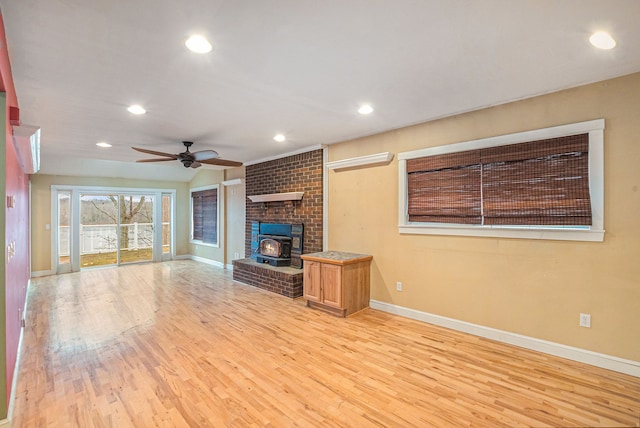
(41, 210)
(208, 177)
(236, 201)
(536, 288)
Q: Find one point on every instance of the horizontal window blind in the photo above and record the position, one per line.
(537, 183)
(542, 183)
(445, 188)
(205, 215)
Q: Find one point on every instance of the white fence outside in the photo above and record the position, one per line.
(101, 238)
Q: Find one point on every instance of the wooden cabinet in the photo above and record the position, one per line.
(311, 281)
(336, 281)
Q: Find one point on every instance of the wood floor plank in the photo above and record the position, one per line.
(180, 344)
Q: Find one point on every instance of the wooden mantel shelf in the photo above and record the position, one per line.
(273, 197)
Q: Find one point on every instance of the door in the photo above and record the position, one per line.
(115, 229)
(167, 212)
(98, 230)
(332, 285)
(110, 226)
(311, 282)
(63, 231)
(135, 233)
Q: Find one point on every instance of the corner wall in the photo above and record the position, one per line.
(236, 197)
(534, 288)
(14, 275)
(16, 231)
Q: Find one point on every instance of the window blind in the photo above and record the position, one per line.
(543, 182)
(205, 215)
(445, 188)
(537, 183)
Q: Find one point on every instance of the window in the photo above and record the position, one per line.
(204, 209)
(544, 184)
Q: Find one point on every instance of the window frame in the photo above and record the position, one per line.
(594, 233)
(191, 231)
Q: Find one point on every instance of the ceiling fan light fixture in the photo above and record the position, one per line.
(198, 44)
(187, 158)
(103, 144)
(136, 109)
(602, 40)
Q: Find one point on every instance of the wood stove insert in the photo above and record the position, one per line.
(278, 244)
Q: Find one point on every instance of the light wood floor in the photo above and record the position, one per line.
(181, 344)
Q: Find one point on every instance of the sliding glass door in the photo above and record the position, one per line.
(98, 230)
(103, 228)
(136, 228)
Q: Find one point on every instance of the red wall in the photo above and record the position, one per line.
(16, 226)
(17, 269)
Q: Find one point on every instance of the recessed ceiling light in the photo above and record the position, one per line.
(279, 138)
(198, 44)
(103, 144)
(602, 40)
(136, 109)
(365, 109)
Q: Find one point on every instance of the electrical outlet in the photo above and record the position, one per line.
(585, 320)
(236, 255)
(398, 286)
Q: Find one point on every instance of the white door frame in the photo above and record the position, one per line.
(74, 220)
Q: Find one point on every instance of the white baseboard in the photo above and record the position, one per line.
(16, 369)
(207, 261)
(203, 260)
(14, 383)
(38, 273)
(576, 354)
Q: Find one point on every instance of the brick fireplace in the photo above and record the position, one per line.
(297, 173)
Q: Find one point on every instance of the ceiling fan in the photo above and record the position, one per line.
(189, 159)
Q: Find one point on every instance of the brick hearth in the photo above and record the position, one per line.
(296, 173)
(282, 280)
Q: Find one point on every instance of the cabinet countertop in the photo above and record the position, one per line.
(336, 257)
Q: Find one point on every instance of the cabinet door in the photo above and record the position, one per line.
(332, 285)
(311, 281)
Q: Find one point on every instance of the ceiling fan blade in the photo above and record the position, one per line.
(156, 160)
(196, 165)
(221, 162)
(205, 155)
(153, 152)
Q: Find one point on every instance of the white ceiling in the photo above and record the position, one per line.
(297, 67)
